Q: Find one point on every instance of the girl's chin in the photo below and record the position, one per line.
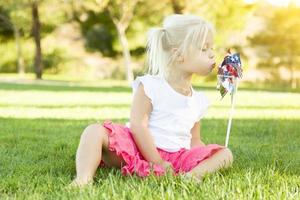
(209, 71)
(203, 73)
(206, 71)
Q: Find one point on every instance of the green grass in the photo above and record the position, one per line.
(41, 125)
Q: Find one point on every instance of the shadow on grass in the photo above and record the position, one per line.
(66, 87)
(62, 88)
(39, 146)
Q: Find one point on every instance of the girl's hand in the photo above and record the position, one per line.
(167, 166)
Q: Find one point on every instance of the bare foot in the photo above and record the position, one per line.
(191, 177)
(79, 183)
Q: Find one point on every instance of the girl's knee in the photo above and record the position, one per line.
(94, 131)
(228, 155)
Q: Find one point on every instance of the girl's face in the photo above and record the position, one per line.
(200, 61)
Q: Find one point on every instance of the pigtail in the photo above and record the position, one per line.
(156, 55)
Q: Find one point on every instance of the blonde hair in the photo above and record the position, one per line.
(180, 31)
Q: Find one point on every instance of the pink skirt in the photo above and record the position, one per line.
(183, 160)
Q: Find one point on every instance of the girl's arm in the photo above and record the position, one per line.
(196, 138)
(139, 116)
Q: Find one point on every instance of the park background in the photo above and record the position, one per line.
(67, 63)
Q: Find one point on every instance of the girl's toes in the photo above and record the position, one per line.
(77, 183)
(191, 177)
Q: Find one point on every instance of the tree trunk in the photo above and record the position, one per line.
(36, 26)
(126, 53)
(20, 60)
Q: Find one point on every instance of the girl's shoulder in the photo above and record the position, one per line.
(202, 97)
(150, 77)
(147, 79)
(203, 103)
(151, 85)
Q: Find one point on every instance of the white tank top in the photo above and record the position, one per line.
(173, 114)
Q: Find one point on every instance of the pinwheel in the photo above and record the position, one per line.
(229, 72)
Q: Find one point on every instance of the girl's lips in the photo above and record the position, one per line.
(213, 65)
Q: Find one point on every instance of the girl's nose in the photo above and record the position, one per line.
(211, 54)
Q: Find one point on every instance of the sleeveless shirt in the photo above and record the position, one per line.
(173, 115)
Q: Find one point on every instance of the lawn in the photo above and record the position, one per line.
(41, 125)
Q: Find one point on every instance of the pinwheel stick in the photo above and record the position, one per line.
(231, 110)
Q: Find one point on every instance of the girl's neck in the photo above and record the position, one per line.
(180, 80)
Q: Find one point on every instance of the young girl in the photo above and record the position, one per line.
(164, 129)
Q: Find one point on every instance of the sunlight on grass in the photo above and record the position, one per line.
(102, 105)
(38, 156)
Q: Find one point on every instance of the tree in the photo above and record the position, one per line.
(280, 40)
(121, 12)
(12, 24)
(36, 29)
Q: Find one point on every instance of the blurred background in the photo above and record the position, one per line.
(105, 39)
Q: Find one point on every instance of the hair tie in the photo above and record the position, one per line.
(166, 43)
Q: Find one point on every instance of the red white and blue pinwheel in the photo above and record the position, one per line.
(229, 72)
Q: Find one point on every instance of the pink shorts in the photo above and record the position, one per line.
(122, 142)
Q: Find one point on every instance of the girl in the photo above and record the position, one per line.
(164, 129)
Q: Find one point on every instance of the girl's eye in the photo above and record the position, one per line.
(205, 49)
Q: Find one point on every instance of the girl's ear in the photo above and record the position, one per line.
(177, 55)
(180, 58)
(174, 51)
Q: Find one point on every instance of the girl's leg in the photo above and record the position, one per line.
(93, 144)
(221, 159)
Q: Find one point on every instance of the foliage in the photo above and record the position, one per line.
(279, 44)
